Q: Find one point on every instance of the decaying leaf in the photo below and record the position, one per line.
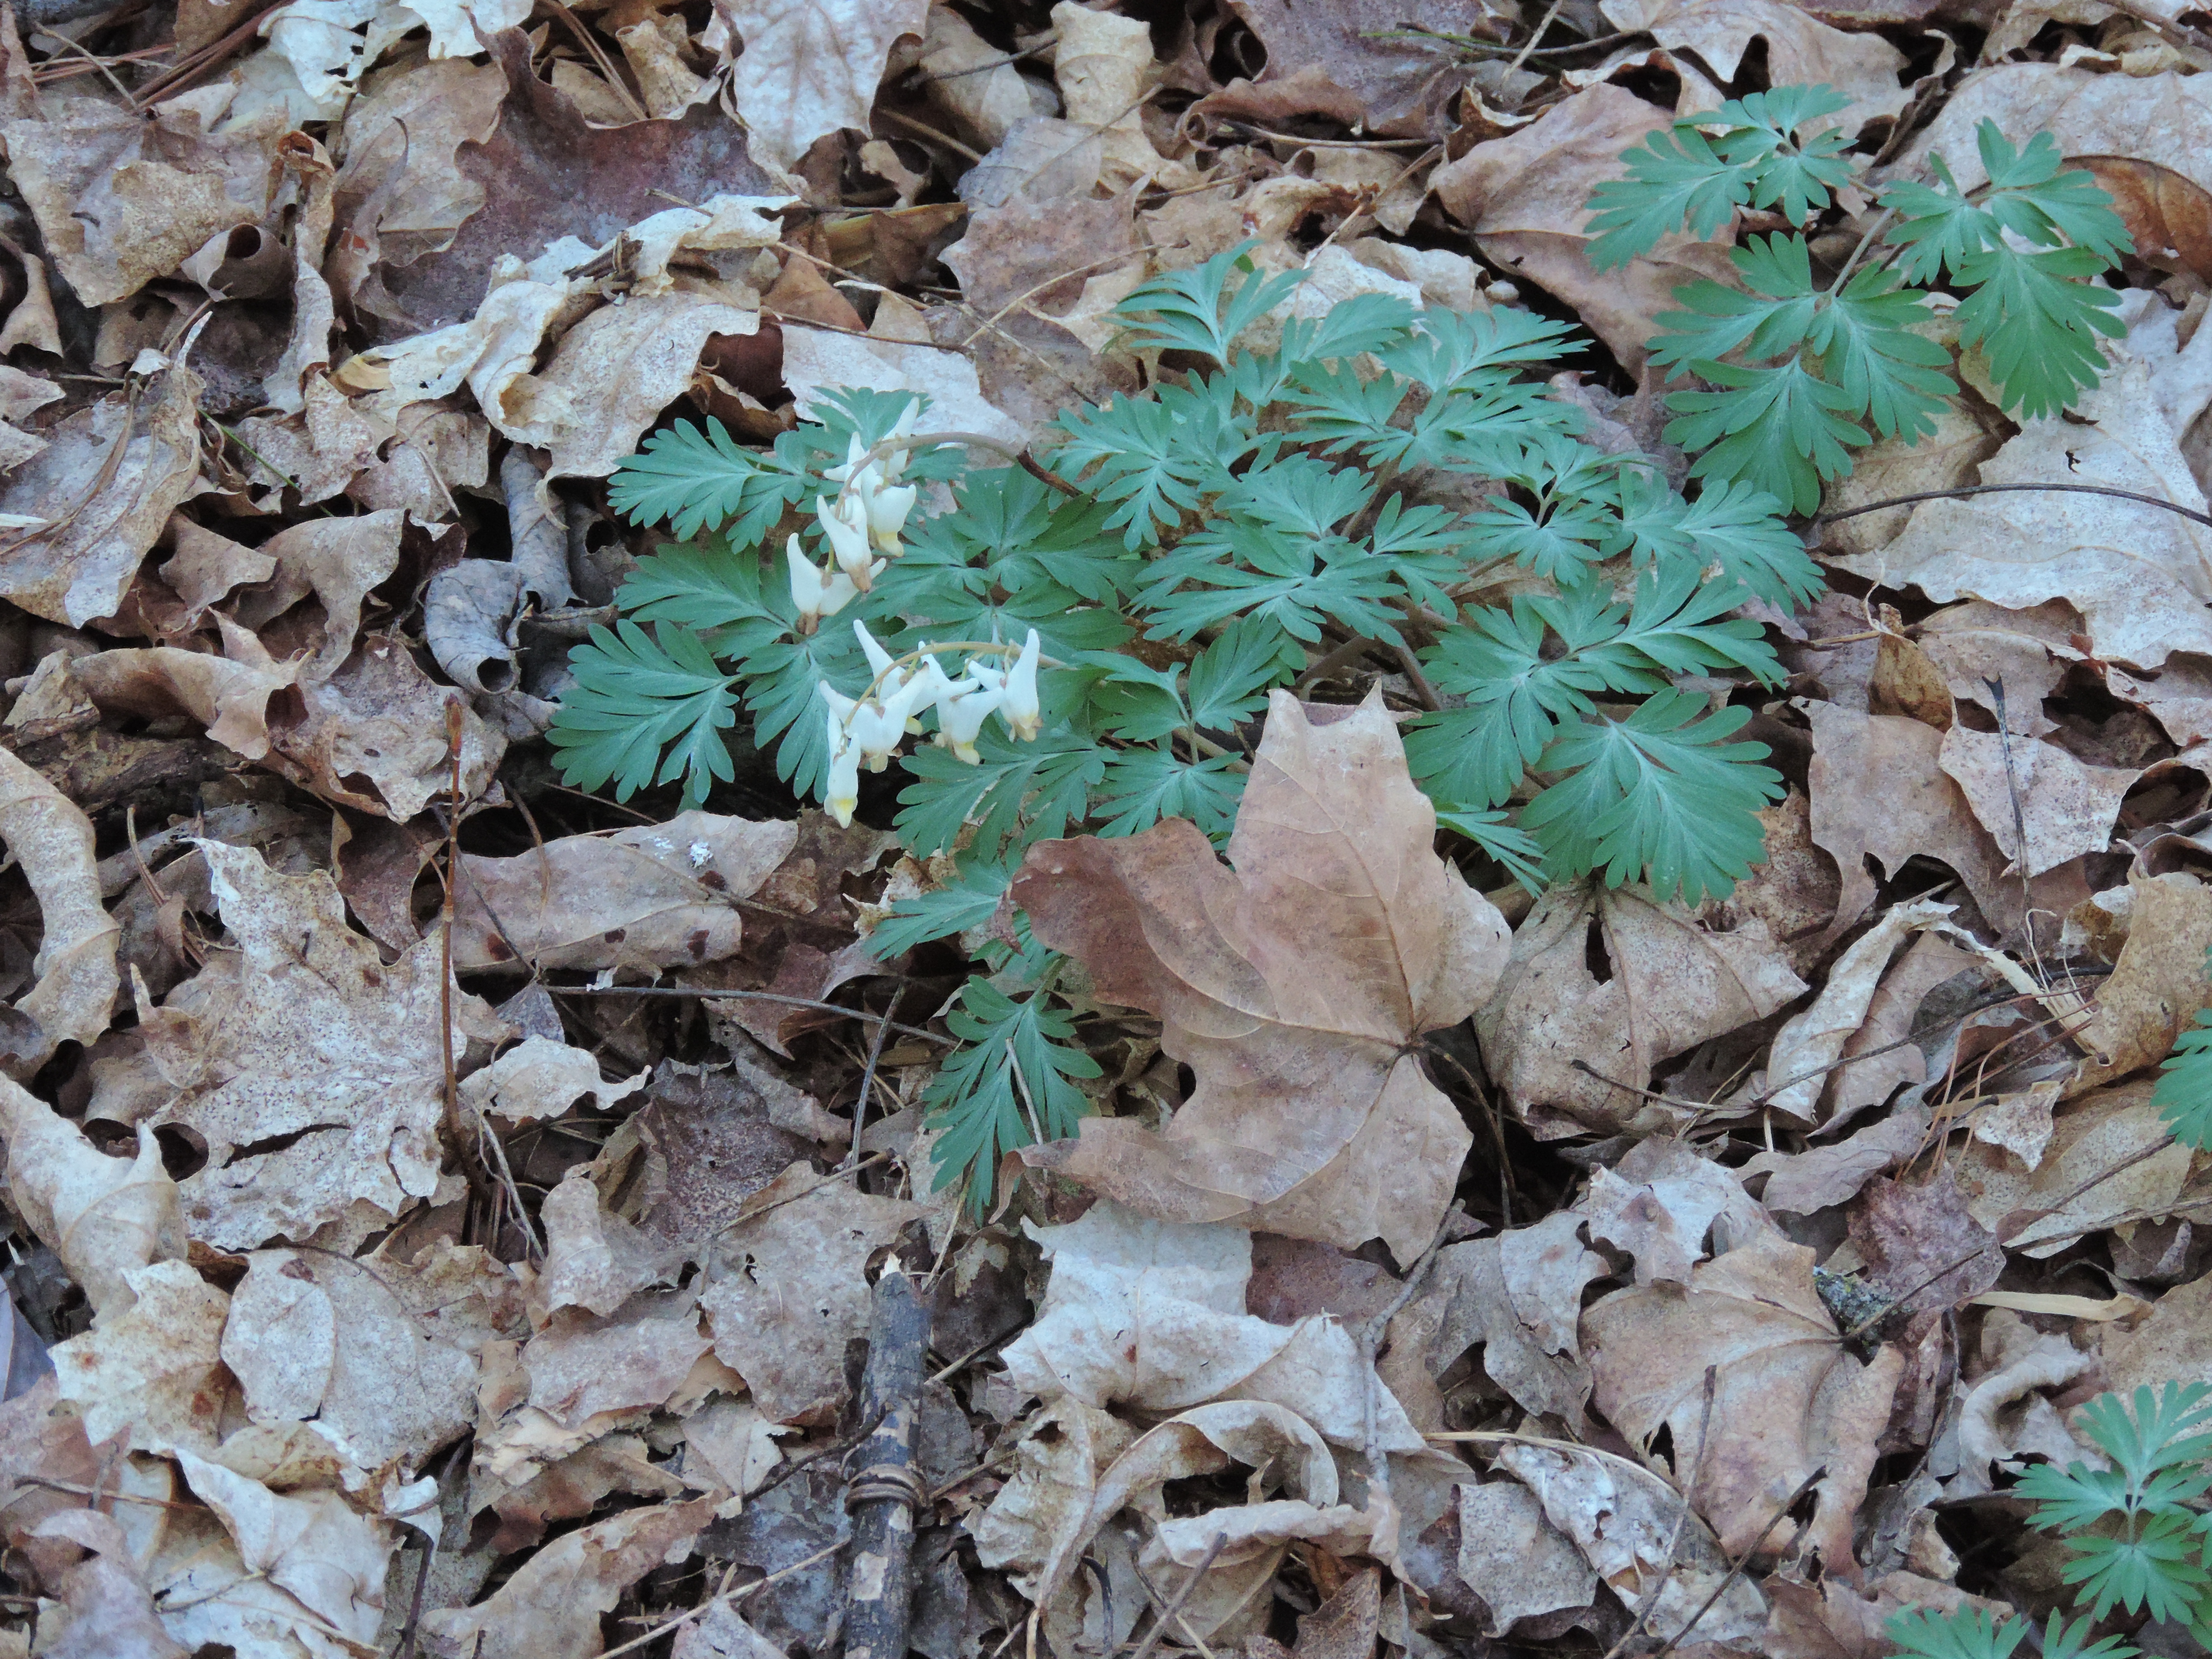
(102, 1216)
(74, 996)
(302, 1034)
(786, 1291)
(1794, 1399)
(550, 1609)
(658, 897)
(1291, 986)
(1606, 977)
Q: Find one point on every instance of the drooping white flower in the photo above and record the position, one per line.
(845, 522)
(879, 723)
(1019, 707)
(843, 788)
(960, 715)
(932, 686)
(884, 675)
(841, 707)
(816, 595)
(886, 509)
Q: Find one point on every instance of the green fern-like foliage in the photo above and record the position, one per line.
(1804, 366)
(1257, 510)
(2184, 1089)
(2137, 1541)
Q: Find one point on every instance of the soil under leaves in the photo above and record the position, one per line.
(1444, 1270)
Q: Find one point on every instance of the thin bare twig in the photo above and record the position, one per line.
(1649, 1603)
(1735, 1570)
(2190, 513)
(1175, 1608)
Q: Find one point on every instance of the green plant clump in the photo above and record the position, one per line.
(1093, 646)
(1798, 372)
(1090, 636)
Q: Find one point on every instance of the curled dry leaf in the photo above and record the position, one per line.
(1511, 1294)
(102, 1216)
(1626, 1521)
(1801, 50)
(301, 1034)
(2160, 977)
(307, 1566)
(655, 896)
(1349, 61)
(122, 196)
(1660, 1203)
(52, 840)
(1293, 985)
(1181, 1289)
(551, 1609)
(103, 488)
(110, 1608)
(1606, 977)
(154, 1369)
(1788, 1398)
(1523, 199)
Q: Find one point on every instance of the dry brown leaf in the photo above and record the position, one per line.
(1788, 1398)
(551, 1609)
(110, 1608)
(2066, 807)
(373, 736)
(787, 1290)
(2139, 576)
(1800, 1067)
(1606, 977)
(652, 897)
(540, 1079)
(1103, 65)
(1660, 1203)
(2026, 651)
(809, 69)
(1800, 1183)
(1890, 1062)
(328, 1341)
(402, 192)
(1342, 62)
(1292, 987)
(2173, 1345)
(104, 517)
(1517, 1295)
(1181, 1290)
(612, 375)
(1878, 792)
(52, 840)
(971, 80)
(1514, 1558)
(124, 195)
(1890, 467)
(593, 1258)
(102, 1216)
(817, 360)
(1627, 1522)
(1524, 199)
(227, 695)
(2093, 1137)
(585, 1370)
(1800, 50)
(153, 1370)
(303, 1033)
(2160, 977)
(307, 1566)
(1918, 1244)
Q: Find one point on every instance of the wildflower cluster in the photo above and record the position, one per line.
(867, 728)
(861, 520)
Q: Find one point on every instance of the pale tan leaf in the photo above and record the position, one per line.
(1292, 987)
(1515, 1559)
(74, 998)
(102, 1216)
(1663, 982)
(153, 1370)
(1788, 1398)
(551, 1609)
(810, 67)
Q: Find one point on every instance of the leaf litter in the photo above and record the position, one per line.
(443, 1209)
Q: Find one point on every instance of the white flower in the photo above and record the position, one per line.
(960, 716)
(886, 510)
(1019, 708)
(841, 707)
(845, 522)
(815, 596)
(843, 788)
(933, 686)
(883, 675)
(877, 725)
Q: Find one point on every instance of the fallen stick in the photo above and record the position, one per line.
(884, 1494)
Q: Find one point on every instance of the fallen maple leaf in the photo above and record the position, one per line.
(1789, 1399)
(1294, 986)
